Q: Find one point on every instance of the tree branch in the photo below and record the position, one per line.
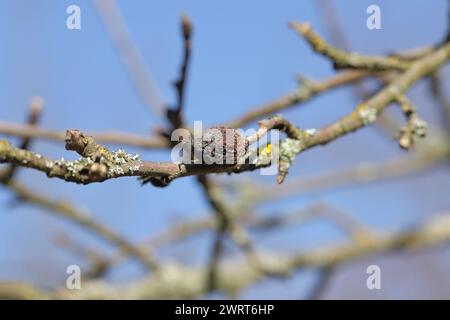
(66, 210)
(307, 90)
(110, 137)
(173, 281)
(342, 59)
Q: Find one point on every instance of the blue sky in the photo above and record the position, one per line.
(243, 55)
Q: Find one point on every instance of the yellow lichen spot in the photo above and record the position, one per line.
(4, 145)
(267, 150)
(356, 114)
(360, 106)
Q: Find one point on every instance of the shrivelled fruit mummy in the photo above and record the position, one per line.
(221, 145)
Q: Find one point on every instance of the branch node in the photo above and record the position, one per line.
(415, 126)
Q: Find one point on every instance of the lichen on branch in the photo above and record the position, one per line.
(342, 59)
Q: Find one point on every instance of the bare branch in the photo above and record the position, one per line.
(235, 276)
(367, 112)
(342, 59)
(424, 159)
(325, 276)
(439, 95)
(110, 137)
(175, 115)
(115, 25)
(33, 117)
(306, 91)
(66, 210)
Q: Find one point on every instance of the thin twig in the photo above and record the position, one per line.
(66, 210)
(342, 59)
(33, 117)
(322, 283)
(176, 281)
(175, 115)
(439, 95)
(307, 90)
(130, 56)
(109, 137)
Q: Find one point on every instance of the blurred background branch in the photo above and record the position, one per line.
(244, 208)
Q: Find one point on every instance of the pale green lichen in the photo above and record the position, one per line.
(311, 132)
(118, 159)
(419, 127)
(116, 171)
(121, 157)
(259, 158)
(100, 165)
(48, 164)
(367, 115)
(289, 149)
(133, 169)
(73, 168)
